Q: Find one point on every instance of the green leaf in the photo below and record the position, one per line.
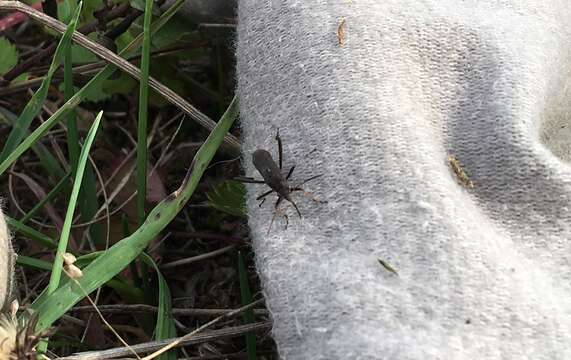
(228, 197)
(27, 231)
(172, 32)
(127, 292)
(33, 263)
(142, 117)
(61, 185)
(8, 55)
(165, 328)
(51, 307)
(140, 5)
(123, 85)
(21, 78)
(35, 104)
(66, 228)
(47, 160)
(81, 55)
(90, 7)
(65, 10)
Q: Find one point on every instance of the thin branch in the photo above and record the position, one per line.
(200, 257)
(155, 345)
(143, 308)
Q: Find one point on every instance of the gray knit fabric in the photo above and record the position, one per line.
(7, 262)
(483, 273)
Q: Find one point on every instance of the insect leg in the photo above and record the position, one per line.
(308, 194)
(296, 208)
(286, 219)
(290, 172)
(263, 197)
(249, 180)
(280, 199)
(311, 178)
(272, 222)
(264, 194)
(276, 213)
(280, 148)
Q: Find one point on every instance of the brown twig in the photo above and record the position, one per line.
(142, 308)
(155, 345)
(194, 259)
(207, 236)
(117, 12)
(123, 25)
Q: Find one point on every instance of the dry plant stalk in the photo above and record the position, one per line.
(341, 32)
(387, 266)
(459, 171)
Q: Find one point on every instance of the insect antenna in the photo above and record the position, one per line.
(308, 180)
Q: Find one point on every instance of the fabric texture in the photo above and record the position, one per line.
(483, 272)
(7, 262)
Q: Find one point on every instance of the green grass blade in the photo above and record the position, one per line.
(33, 234)
(246, 296)
(128, 292)
(66, 228)
(157, 24)
(47, 160)
(53, 192)
(143, 109)
(164, 328)
(94, 83)
(137, 282)
(72, 132)
(88, 204)
(33, 263)
(34, 106)
(50, 307)
(49, 123)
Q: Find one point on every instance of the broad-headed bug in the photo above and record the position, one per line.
(273, 177)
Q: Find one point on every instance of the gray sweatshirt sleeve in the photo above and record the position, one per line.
(484, 272)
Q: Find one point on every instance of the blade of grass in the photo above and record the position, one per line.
(130, 293)
(164, 328)
(89, 205)
(53, 192)
(94, 83)
(142, 122)
(34, 106)
(68, 90)
(62, 245)
(47, 160)
(50, 307)
(33, 234)
(137, 282)
(33, 263)
(248, 315)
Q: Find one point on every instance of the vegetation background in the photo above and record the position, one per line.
(89, 155)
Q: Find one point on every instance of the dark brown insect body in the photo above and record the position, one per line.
(273, 177)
